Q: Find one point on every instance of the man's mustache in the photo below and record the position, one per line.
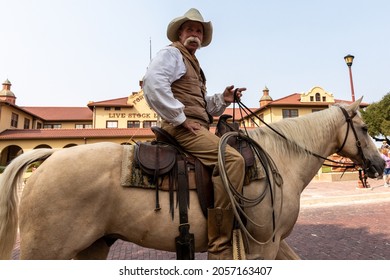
(192, 39)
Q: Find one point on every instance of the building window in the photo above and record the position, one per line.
(290, 113)
(39, 125)
(52, 126)
(311, 99)
(111, 124)
(81, 126)
(107, 108)
(149, 124)
(117, 108)
(324, 99)
(26, 123)
(14, 120)
(133, 124)
(318, 97)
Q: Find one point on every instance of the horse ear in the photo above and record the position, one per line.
(355, 105)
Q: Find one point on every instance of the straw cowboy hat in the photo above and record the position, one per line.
(194, 15)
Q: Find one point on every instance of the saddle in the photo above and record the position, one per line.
(240, 144)
(165, 157)
(158, 159)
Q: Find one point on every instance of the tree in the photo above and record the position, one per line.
(377, 118)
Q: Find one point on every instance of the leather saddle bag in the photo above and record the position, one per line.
(241, 145)
(153, 157)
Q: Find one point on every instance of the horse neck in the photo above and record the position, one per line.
(315, 133)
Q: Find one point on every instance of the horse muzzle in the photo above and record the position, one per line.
(374, 170)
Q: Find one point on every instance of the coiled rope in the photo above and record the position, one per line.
(238, 200)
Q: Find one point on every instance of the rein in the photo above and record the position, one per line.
(237, 199)
(366, 163)
(348, 119)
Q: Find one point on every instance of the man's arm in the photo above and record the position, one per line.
(217, 103)
(163, 70)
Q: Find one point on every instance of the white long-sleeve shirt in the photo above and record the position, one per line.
(163, 70)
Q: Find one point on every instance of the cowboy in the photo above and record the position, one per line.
(175, 87)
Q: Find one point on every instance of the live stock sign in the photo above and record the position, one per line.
(132, 115)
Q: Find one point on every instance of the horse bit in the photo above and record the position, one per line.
(362, 171)
(366, 163)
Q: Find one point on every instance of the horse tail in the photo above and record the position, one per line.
(10, 182)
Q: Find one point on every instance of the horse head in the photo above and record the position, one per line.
(355, 143)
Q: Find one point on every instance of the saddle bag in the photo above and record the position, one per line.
(238, 143)
(152, 157)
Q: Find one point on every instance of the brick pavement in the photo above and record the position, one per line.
(337, 221)
(343, 232)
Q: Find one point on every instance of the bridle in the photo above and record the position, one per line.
(273, 175)
(366, 164)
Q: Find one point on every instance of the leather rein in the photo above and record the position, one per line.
(366, 163)
(273, 175)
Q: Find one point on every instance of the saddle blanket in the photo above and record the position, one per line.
(132, 176)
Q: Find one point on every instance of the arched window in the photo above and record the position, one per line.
(318, 97)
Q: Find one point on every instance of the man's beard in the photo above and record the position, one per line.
(192, 39)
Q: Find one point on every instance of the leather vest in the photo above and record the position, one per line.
(190, 89)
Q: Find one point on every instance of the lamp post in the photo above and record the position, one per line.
(349, 60)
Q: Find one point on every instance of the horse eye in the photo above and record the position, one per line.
(365, 128)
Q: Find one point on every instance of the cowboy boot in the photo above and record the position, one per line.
(220, 227)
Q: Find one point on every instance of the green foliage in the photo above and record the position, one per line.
(377, 118)
(33, 166)
(326, 169)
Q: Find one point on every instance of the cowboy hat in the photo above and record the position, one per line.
(194, 15)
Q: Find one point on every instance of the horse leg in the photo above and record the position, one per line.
(286, 252)
(97, 251)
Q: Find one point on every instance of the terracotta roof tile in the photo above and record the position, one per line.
(10, 134)
(295, 100)
(18, 107)
(61, 113)
(19, 134)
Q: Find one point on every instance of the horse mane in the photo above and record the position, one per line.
(299, 132)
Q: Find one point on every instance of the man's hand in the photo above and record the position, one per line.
(191, 126)
(228, 94)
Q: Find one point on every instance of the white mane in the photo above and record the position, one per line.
(299, 131)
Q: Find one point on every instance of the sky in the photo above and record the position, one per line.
(70, 52)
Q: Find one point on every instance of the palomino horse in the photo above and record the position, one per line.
(73, 205)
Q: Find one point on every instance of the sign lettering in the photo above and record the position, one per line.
(132, 115)
(138, 99)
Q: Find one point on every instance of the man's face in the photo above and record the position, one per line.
(191, 35)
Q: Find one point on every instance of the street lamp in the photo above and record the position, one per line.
(349, 59)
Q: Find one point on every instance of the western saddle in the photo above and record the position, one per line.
(164, 156)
